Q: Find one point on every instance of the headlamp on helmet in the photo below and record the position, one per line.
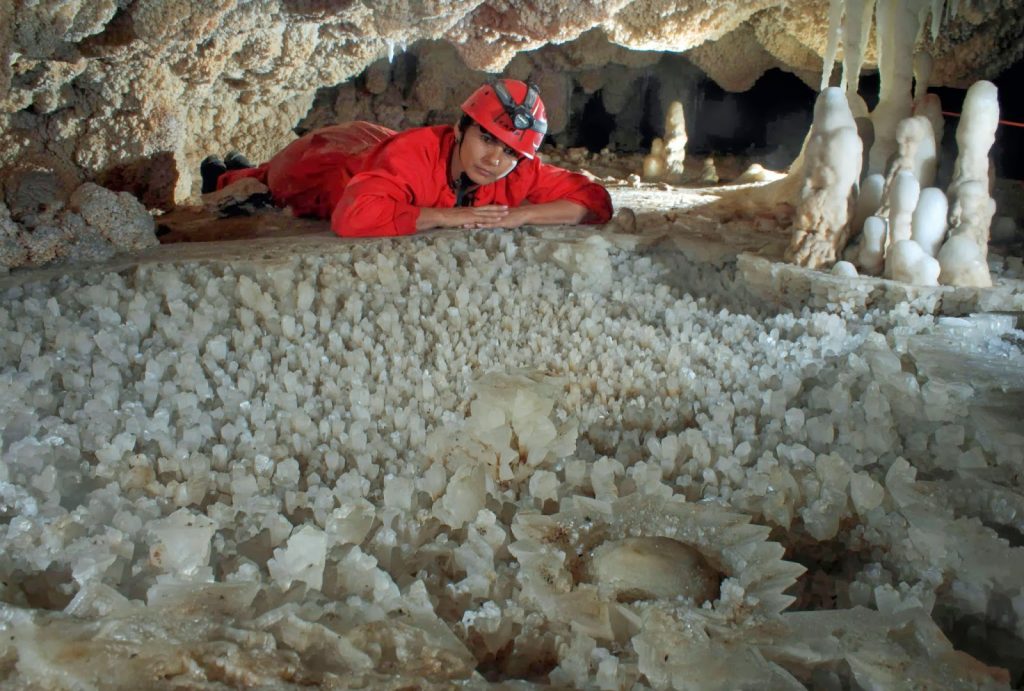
(521, 114)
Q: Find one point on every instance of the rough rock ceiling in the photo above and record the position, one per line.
(132, 92)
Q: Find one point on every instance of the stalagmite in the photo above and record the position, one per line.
(971, 212)
(971, 207)
(902, 199)
(963, 263)
(930, 106)
(844, 268)
(871, 259)
(667, 158)
(928, 226)
(907, 131)
(906, 261)
(654, 162)
(970, 217)
(915, 152)
(831, 169)
(675, 138)
(869, 200)
(975, 135)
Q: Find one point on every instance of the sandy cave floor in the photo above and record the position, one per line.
(288, 458)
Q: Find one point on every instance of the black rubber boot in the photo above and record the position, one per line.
(236, 161)
(247, 206)
(210, 169)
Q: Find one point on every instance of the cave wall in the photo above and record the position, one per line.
(426, 84)
(133, 93)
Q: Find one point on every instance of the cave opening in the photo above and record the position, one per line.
(596, 124)
(767, 122)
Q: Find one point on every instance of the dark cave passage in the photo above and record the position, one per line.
(596, 124)
(769, 120)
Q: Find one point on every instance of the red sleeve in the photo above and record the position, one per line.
(376, 203)
(384, 198)
(552, 184)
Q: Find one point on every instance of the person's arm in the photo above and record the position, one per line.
(375, 206)
(386, 198)
(549, 213)
(553, 185)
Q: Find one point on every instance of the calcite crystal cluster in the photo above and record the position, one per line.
(462, 459)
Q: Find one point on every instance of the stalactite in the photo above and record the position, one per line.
(857, 28)
(936, 11)
(835, 27)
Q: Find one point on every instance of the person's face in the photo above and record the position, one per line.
(484, 157)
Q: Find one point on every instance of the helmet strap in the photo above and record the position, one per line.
(503, 95)
(532, 91)
(520, 111)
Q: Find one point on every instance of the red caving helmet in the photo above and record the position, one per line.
(512, 111)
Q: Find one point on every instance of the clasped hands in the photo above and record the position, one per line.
(489, 216)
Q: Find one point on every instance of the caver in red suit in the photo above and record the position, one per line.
(372, 181)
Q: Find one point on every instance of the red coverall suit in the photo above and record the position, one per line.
(371, 181)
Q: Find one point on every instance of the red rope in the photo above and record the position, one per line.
(1001, 122)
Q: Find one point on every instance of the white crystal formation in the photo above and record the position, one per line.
(405, 461)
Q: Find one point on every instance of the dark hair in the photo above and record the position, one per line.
(465, 122)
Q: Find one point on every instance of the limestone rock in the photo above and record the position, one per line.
(12, 252)
(119, 217)
(46, 244)
(735, 61)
